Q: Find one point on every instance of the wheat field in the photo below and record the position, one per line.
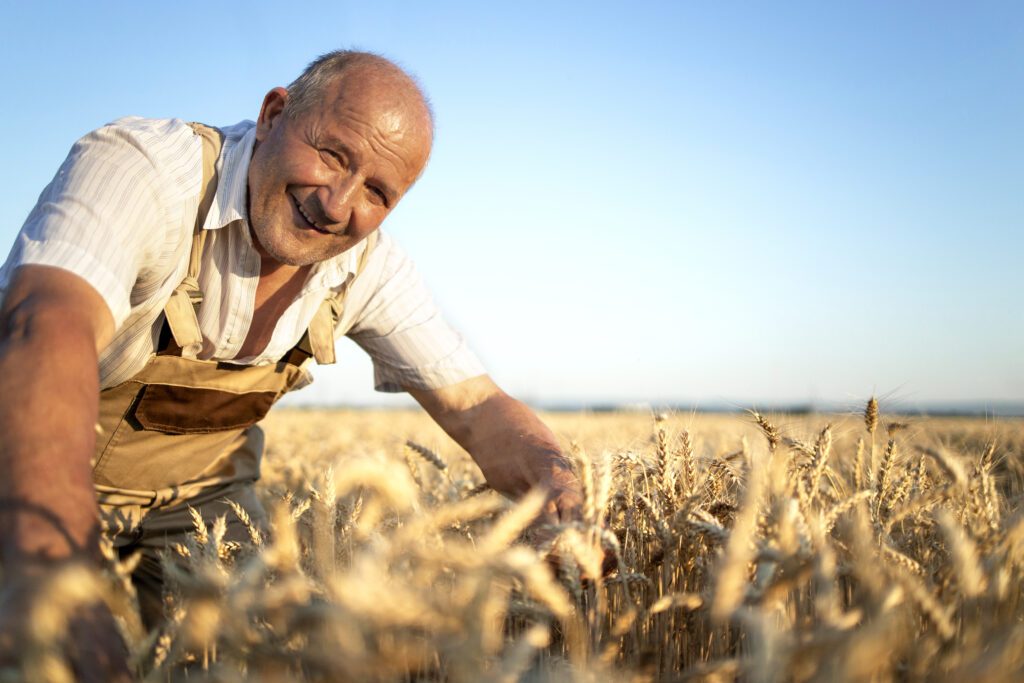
(856, 547)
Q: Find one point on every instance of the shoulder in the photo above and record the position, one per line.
(237, 131)
(162, 153)
(385, 269)
(163, 141)
(388, 289)
(150, 130)
(119, 210)
(386, 256)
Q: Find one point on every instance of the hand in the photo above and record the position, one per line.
(564, 514)
(38, 623)
(565, 494)
(513, 448)
(96, 650)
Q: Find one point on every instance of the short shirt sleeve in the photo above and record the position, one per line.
(399, 325)
(99, 218)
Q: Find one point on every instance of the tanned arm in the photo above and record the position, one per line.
(52, 325)
(513, 448)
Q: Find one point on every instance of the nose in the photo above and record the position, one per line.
(337, 200)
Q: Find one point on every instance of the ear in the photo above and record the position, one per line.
(270, 111)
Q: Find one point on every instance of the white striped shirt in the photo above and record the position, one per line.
(120, 214)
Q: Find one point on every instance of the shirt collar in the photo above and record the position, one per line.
(230, 206)
(229, 203)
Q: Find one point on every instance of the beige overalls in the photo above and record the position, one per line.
(182, 432)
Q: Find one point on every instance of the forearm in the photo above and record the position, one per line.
(50, 387)
(514, 449)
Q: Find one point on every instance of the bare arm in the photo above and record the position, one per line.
(52, 325)
(513, 448)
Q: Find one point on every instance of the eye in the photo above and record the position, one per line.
(377, 196)
(332, 157)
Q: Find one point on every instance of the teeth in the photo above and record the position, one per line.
(306, 215)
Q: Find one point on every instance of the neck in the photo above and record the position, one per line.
(274, 269)
(270, 267)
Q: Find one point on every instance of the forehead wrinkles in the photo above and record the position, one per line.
(384, 134)
(387, 111)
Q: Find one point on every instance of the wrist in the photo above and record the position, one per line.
(35, 541)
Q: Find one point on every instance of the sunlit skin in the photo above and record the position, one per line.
(321, 182)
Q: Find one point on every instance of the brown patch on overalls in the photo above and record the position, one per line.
(182, 432)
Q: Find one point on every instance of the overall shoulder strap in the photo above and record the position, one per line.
(184, 303)
(319, 338)
(213, 140)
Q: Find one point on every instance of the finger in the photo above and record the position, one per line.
(568, 507)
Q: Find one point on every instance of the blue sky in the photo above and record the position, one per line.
(642, 202)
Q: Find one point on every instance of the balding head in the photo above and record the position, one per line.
(359, 70)
(333, 154)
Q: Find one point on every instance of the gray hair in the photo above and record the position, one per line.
(308, 89)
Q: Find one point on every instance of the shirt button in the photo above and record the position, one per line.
(232, 340)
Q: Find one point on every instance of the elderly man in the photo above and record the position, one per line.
(174, 280)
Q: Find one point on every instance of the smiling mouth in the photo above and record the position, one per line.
(306, 217)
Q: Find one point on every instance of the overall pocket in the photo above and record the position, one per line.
(193, 410)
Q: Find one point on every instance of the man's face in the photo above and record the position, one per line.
(322, 181)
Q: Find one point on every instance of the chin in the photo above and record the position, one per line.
(276, 248)
(293, 257)
(293, 250)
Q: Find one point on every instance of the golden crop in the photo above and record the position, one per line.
(759, 548)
